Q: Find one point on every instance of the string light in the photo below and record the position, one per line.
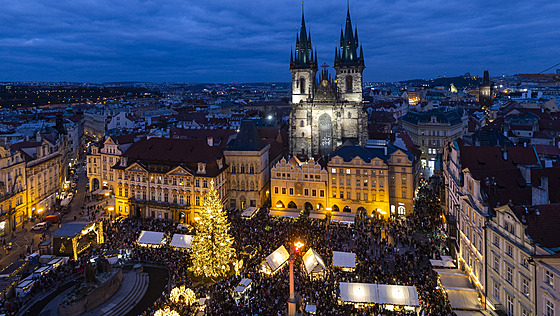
(181, 292)
(212, 247)
(166, 311)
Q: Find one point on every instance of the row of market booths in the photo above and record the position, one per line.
(157, 239)
(391, 297)
(463, 297)
(12, 281)
(340, 217)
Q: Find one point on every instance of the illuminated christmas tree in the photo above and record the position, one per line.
(212, 247)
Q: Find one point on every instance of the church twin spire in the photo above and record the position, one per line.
(349, 44)
(304, 56)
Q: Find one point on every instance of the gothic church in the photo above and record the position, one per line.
(326, 112)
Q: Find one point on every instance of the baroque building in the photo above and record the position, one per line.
(248, 175)
(325, 112)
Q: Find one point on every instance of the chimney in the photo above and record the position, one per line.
(123, 161)
(504, 153)
(540, 194)
(210, 141)
(526, 173)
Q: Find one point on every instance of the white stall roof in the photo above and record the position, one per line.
(397, 295)
(285, 213)
(317, 215)
(464, 299)
(313, 262)
(249, 212)
(276, 259)
(344, 259)
(240, 289)
(358, 292)
(311, 308)
(343, 217)
(150, 238)
(378, 294)
(245, 282)
(181, 241)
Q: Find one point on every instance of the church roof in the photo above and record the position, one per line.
(348, 153)
(247, 139)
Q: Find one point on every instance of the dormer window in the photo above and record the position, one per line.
(201, 167)
(220, 163)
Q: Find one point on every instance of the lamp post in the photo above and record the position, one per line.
(292, 300)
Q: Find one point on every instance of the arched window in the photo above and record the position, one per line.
(233, 169)
(242, 186)
(242, 168)
(301, 123)
(349, 84)
(292, 205)
(251, 169)
(252, 187)
(302, 85)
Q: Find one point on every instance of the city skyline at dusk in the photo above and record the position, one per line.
(249, 41)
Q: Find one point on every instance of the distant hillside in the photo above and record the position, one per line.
(460, 82)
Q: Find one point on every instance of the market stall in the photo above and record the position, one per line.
(314, 265)
(275, 260)
(181, 241)
(150, 238)
(344, 260)
(249, 212)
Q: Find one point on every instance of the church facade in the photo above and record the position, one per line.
(326, 111)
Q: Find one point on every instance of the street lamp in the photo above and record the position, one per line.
(292, 300)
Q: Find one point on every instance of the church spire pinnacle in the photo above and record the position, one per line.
(304, 50)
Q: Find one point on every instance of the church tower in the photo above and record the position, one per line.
(485, 91)
(303, 66)
(348, 64)
(326, 114)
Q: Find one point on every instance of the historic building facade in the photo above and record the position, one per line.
(159, 177)
(249, 173)
(356, 181)
(326, 113)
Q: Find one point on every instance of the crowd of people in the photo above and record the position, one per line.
(387, 252)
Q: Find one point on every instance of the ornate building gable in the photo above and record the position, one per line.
(136, 167)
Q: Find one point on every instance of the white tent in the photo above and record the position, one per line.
(368, 293)
(249, 212)
(358, 292)
(317, 215)
(150, 238)
(277, 259)
(343, 217)
(344, 260)
(181, 241)
(313, 262)
(397, 295)
(464, 299)
(294, 213)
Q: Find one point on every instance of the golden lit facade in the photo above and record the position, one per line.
(298, 185)
(359, 180)
(13, 197)
(146, 184)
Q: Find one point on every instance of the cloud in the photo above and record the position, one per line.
(220, 41)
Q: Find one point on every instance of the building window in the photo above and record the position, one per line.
(313, 192)
(509, 250)
(347, 171)
(306, 192)
(524, 312)
(341, 194)
(275, 190)
(496, 291)
(283, 190)
(358, 184)
(291, 191)
(348, 195)
(509, 274)
(333, 170)
(197, 183)
(496, 264)
(496, 240)
(549, 309)
(365, 183)
(166, 197)
(322, 193)
(509, 305)
(365, 196)
(333, 181)
(549, 278)
(525, 287)
(358, 196)
(334, 194)
(197, 200)
(403, 180)
(404, 194)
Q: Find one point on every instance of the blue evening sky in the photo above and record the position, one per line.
(249, 40)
